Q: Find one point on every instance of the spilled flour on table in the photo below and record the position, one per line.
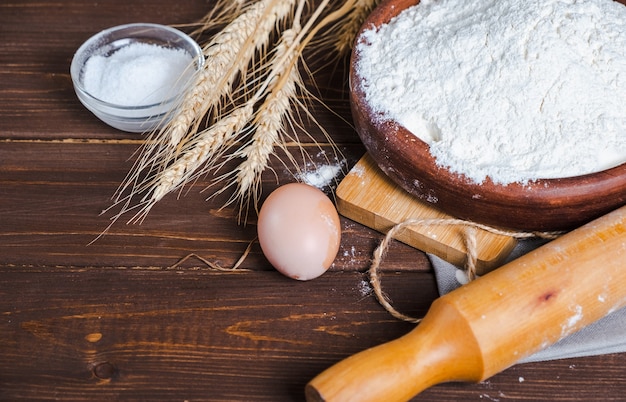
(570, 325)
(364, 288)
(323, 175)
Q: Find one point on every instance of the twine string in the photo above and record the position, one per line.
(215, 266)
(471, 251)
(469, 234)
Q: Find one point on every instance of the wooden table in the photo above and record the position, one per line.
(120, 319)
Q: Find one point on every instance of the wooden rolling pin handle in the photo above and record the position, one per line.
(397, 370)
(486, 326)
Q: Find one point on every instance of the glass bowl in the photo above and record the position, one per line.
(142, 117)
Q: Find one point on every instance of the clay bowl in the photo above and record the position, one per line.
(544, 205)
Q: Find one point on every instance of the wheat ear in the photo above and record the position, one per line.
(197, 155)
(344, 23)
(268, 124)
(193, 157)
(274, 114)
(181, 152)
(227, 55)
(349, 26)
(221, 13)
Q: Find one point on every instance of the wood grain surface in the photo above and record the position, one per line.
(121, 319)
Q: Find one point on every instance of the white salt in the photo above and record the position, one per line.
(137, 74)
(515, 91)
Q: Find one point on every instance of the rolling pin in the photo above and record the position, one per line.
(488, 325)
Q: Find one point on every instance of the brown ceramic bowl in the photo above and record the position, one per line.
(544, 205)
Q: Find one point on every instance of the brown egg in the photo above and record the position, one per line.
(299, 231)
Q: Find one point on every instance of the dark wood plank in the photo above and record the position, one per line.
(50, 212)
(106, 333)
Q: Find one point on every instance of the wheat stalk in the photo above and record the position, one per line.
(269, 121)
(274, 115)
(350, 25)
(345, 23)
(222, 12)
(247, 94)
(196, 155)
(199, 152)
(227, 55)
(185, 168)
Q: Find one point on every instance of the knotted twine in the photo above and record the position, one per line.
(469, 234)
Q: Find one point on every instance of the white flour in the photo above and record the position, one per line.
(513, 90)
(321, 177)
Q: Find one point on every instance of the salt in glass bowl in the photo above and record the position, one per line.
(542, 205)
(139, 118)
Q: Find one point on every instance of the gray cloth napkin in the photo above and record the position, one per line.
(607, 335)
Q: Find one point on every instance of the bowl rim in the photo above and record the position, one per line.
(94, 42)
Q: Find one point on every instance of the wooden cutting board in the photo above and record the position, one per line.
(367, 196)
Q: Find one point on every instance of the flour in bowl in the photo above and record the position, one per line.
(511, 90)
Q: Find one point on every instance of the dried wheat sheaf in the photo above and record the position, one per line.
(247, 102)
